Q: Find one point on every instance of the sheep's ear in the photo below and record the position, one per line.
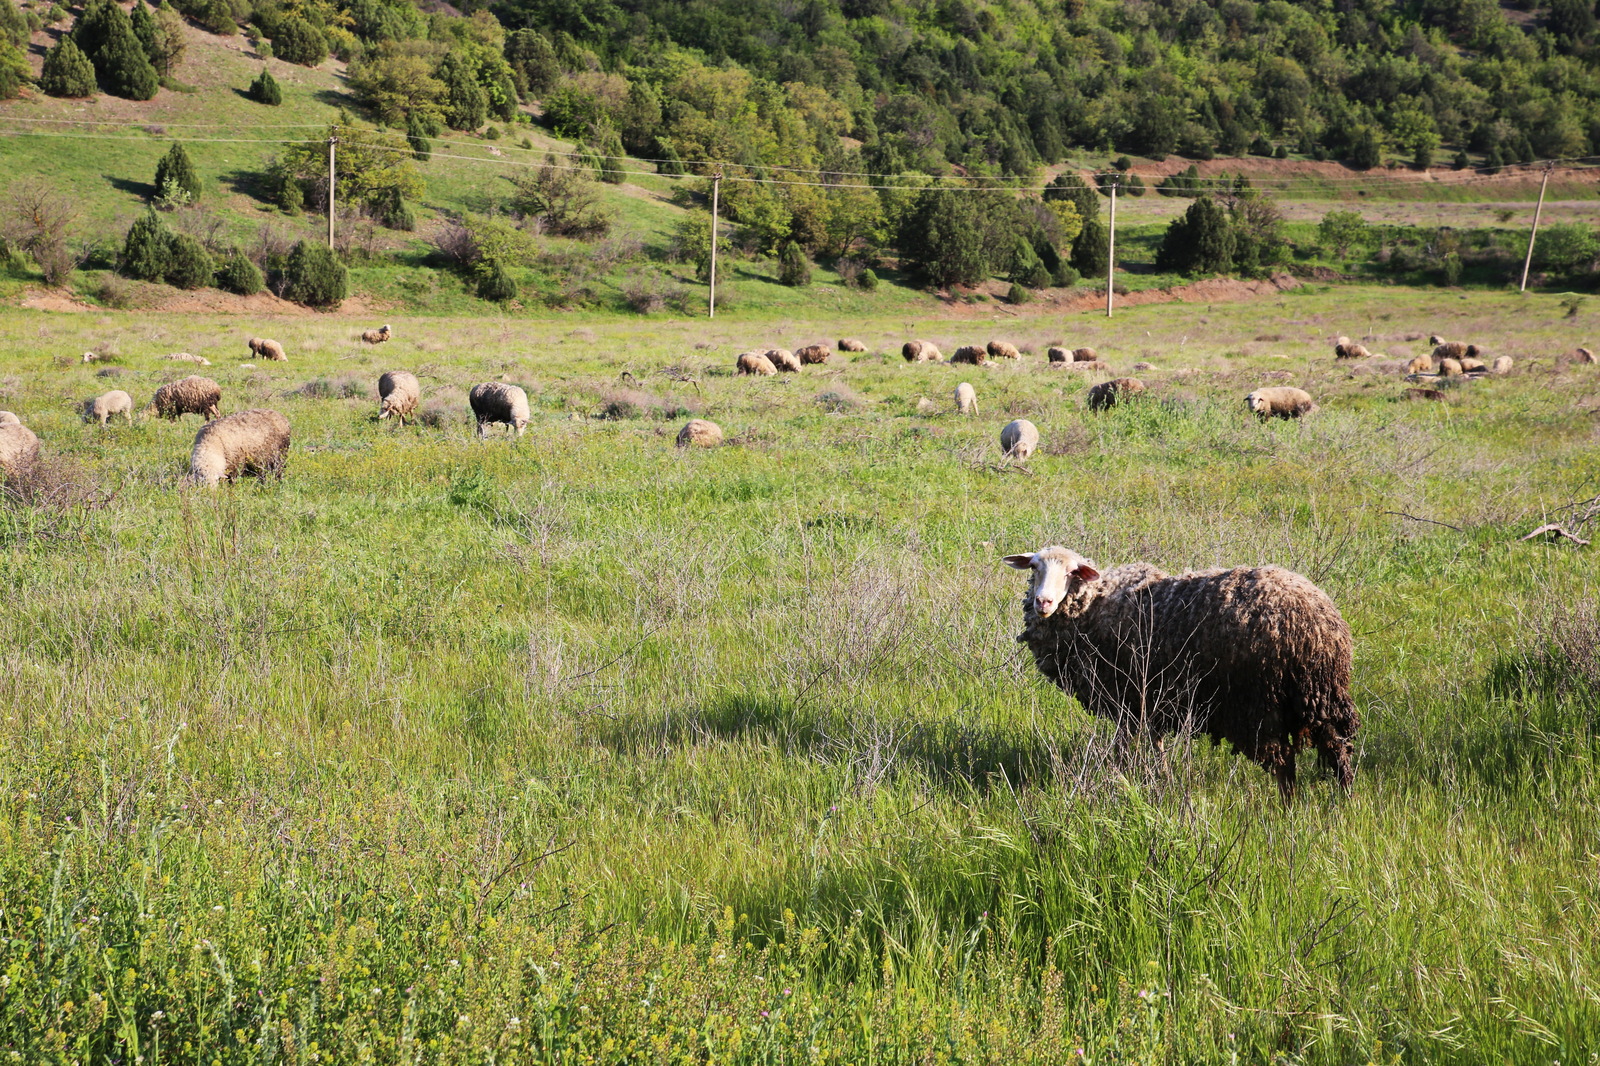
(1085, 572)
(1021, 562)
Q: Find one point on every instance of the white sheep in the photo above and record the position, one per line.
(252, 443)
(398, 394)
(495, 401)
(966, 399)
(101, 408)
(1019, 439)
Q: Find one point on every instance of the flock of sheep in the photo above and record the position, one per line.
(1259, 657)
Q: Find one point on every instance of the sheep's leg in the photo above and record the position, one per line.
(1284, 772)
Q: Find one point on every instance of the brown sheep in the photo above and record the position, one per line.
(1002, 350)
(19, 449)
(755, 363)
(1473, 366)
(814, 353)
(398, 394)
(194, 395)
(1583, 355)
(251, 443)
(921, 352)
(1057, 354)
(850, 344)
(1454, 350)
(267, 349)
(1450, 368)
(1108, 394)
(1345, 348)
(970, 353)
(1280, 401)
(1257, 656)
(701, 433)
(1422, 364)
(1085, 355)
(375, 336)
(784, 360)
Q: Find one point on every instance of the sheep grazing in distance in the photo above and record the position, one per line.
(1002, 350)
(267, 349)
(101, 408)
(375, 336)
(398, 395)
(19, 449)
(1435, 340)
(1501, 366)
(495, 401)
(1450, 368)
(1583, 355)
(1108, 394)
(252, 443)
(92, 357)
(9, 418)
(700, 433)
(1057, 354)
(814, 353)
(1422, 364)
(185, 357)
(1345, 348)
(972, 354)
(1473, 366)
(1453, 350)
(1085, 355)
(921, 352)
(1422, 394)
(1019, 440)
(1257, 656)
(194, 395)
(850, 344)
(755, 363)
(783, 360)
(966, 399)
(1280, 401)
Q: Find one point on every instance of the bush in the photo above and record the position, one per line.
(188, 263)
(297, 41)
(144, 252)
(941, 240)
(238, 274)
(312, 276)
(868, 280)
(1018, 294)
(793, 267)
(176, 168)
(495, 282)
(1200, 242)
(1090, 256)
(1064, 276)
(67, 71)
(264, 90)
(1281, 152)
(417, 133)
(120, 61)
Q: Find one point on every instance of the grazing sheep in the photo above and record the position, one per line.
(7, 418)
(252, 443)
(185, 357)
(1450, 368)
(1345, 348)
(495, 401)
(784, 360)
(398, 394)
(101, 408)
(921, 352)
(267, 349)
(970, 353)
(966, 399)
(1280, 401)
(1453, 350)
(755, 363)
(1019, 439)
(1422, 364)
(1057, 354)
(1002, 350)
(1422, 394)
(19, 449)
(194, 395)
(1085, 355)
(814, 353)
(1108, 394)
(1501, 366)
(1473, 366)
(850, 344)
(1584, 355)
(92, 357)
(375, 336)
(1435, 340)
(701, 433)
(1257, 656)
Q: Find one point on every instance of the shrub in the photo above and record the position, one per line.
(793, 267)
(67, 71)
(417, 133)
(941, 240)
(1018, 294)
(238, 274)
(144, 252)
(1064, 275)
(188, 263)
(495, 282)
(297, 41)
(1200, 242)
(312, 276)
(1089, 252)
(264, 90)
(175, 167)
(868, 280)
(1281, 152)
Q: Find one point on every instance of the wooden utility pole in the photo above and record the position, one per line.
(333, 142)
(716, 188)
(1111, 248)
(1534, 232)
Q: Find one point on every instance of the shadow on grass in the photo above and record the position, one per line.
(144, 190)
(251, 183)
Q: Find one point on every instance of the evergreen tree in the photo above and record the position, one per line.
(14, 28)
(67, 71)
(297, 41)
(314, 277)
(609, 155)
(1200, 242)
(264, 90)
(167, 43)
(176, 168)
(189, 265)
(1068, 186)
(495, 282)
(417, 137)
(941, 240)
(144, 252)
(1089, 253)
(119, 60)
(237, 274)
(794, 268)
(466, 104)
(144, 28)
(533, 61)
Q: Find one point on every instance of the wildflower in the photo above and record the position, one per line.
(786, 991)
(763, 1014)
(158, 1015)
(217, 908)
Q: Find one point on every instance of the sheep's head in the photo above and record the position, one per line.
(1256, 402)
(1057, 574)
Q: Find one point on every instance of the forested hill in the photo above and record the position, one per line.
(1007, 84)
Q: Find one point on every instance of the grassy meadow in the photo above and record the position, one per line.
(583, 749)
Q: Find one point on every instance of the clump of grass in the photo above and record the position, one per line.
(633, 403)
(839, 399)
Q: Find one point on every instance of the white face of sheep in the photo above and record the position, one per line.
(1057, 573)
(1255, 402)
